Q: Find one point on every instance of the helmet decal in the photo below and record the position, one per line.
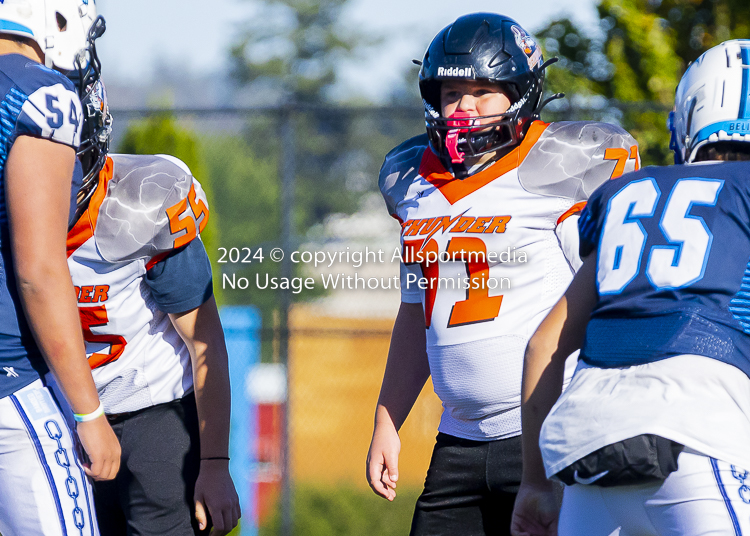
(430, 110)
(518, 104)
(465, 72)
(526, 43)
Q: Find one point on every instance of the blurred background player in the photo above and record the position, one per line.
(43, 487)
(487, 179)
(651, 434)
(152, 330)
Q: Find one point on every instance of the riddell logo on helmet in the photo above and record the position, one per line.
(456, 72)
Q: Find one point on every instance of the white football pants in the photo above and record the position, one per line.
(704, 497)
(43, 489)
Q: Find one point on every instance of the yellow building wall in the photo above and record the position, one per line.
(336, 366)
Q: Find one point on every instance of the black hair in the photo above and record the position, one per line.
(19, 39)
(726, 151)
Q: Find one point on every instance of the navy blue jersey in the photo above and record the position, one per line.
(673, 265)
(42, 103)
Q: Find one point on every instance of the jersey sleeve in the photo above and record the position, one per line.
(410, 292)
(399, 170)
(153, 207)
(51, 110)
(186, 208)
(567, 236)
(571, 159)
(182, 280)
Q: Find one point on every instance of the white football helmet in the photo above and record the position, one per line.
(60, 27)
(712, 102)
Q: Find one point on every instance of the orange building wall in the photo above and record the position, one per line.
(335, 378)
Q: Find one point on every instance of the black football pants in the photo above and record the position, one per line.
(470, 488)
(153, 492)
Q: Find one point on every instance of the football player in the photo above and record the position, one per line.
(44, 490)
(651, 435)
(152, 331)
(488, 200)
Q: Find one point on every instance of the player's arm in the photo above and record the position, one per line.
(406, 372)
(201, 330)
(559, 335)
(181, 285)
(38, 217)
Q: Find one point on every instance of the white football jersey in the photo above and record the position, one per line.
(506, 241)
(144, 207)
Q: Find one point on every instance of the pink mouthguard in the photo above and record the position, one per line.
(451, 140)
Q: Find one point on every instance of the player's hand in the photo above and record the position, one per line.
(216, 497)
(536, 511)
(382, 461)
(102, 448)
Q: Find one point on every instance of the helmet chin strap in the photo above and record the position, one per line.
(451, 139)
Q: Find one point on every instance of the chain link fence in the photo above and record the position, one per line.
(304, 236)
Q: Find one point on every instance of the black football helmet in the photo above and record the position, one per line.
(487, 47)
(97, 121)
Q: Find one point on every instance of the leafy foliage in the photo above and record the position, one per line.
(247, 197)
(638, 55)
(289, 55)
(344, 511)
(294, 45)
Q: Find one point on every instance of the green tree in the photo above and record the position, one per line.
(638, 57)
(294, 45)
(159, 134)
(246, 197)
(289, 55)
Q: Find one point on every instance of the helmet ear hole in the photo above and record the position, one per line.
(62, 22)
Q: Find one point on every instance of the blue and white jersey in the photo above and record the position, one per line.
(38, 102)
(673, 270)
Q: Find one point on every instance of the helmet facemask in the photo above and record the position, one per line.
(461, 136)
(97, 127)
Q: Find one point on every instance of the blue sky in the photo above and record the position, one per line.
(194, 36)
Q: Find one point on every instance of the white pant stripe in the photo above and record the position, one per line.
(42, 460)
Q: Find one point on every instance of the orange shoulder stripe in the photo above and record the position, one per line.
(84, 227)
(575, 209)
(156, 259)
(454, 189)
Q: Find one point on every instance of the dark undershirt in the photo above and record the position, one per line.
(182, 281)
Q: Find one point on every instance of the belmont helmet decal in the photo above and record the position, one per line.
(456, 71)
(526, 43)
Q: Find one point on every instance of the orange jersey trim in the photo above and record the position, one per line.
(156, 259)
(84, 227)
(454, 189)
(575, 209)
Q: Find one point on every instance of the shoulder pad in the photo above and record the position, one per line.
(152, 206)
(28, 76)
(572, 158)
(49, 105)
(399, 169)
